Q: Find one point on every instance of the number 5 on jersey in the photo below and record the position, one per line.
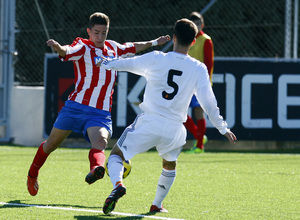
(172, 84)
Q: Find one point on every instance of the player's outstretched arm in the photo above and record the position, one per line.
(61, 50)
(140, 46)
(230, 136)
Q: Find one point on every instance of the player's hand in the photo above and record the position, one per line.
(61, 50)
(105, 61)
(163, 39)
(230, 136)
(52, 43)
(101, 61)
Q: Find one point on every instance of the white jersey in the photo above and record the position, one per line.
(172, 79)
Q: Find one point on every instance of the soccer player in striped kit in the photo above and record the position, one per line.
(88, 108)
(172, 79)
(202, 50)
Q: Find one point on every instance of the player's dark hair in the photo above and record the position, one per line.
(194, 16)
(98, 18)
(185, 31)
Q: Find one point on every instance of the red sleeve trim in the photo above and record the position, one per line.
(209, 56)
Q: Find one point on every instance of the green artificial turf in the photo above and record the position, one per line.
(207, 186)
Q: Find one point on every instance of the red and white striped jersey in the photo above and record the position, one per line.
(94, 86)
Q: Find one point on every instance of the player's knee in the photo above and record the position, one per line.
(100, 143)
(116, 151)
(169, 165)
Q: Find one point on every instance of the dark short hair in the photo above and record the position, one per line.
(194, 16)
(98, 18)
(185, 31)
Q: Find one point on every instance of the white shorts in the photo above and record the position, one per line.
(147, 131)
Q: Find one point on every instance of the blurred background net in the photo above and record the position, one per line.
(239, 28)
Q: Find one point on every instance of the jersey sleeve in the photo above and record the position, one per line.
(208, 102)
(137, 65)
(123, 50)
(209, 56)
(74, 51)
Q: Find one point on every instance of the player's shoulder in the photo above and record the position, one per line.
(158, 53)
(82, 41)
(196, 63)
(205, 36)
(111, 42)
(155, 54)
(115, 44)
(194, 60)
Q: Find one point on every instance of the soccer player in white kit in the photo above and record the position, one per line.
(172, 79)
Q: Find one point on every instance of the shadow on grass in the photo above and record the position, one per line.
(20, 204)
(116, 217)
(14, 204)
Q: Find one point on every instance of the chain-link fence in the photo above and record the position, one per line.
(238, 28)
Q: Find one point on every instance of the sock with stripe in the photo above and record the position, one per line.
(115, 169)
(38, 161)
(165, 182)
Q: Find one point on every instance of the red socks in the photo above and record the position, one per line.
(201, 125)
(97, 158)
(38, 161)
(190, 126)
(198, 130)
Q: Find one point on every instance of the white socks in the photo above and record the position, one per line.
(115, 169)
(164, 184)
(166, 179)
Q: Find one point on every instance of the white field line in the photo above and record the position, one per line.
(87, 210)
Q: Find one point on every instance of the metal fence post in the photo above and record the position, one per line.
(7, 44)
(295, 48)
(288, 29)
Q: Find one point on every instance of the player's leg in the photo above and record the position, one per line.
(98, 137)
(115, 170)
(190, 124)
(115, 166)
(164, 184)
(135, 139)
(201, 126)
(198, 129)
(56, 137)
(169, 148)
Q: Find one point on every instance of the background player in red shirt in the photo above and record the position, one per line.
(88, 107)
(202, 50)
